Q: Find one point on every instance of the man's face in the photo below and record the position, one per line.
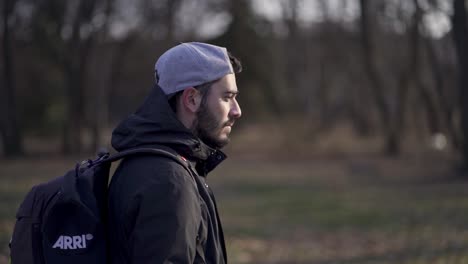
(218, 112)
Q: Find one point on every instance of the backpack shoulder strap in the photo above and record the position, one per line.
(152, 151)
(155, 151)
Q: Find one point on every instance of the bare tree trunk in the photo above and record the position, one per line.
(172, 9)
(75, 74)
(100, 110)
(376, 83)
(74, 123)
(100, 116)
(292, 42)
(325, 121)
(446, 108)
(460, 38)
(429, 105)
(105, 91)
(117, 60)
(407, 78)
(393, 122)
(243, 41)
(11, 134)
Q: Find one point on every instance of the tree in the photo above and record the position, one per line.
(392, 107)
(105, 82)
(66, 33)
(257, 53)
(460, 39)
(376, 83)
(11, 134)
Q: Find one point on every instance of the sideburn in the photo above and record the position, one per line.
(204, 126)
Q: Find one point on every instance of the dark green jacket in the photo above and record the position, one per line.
(159, 210)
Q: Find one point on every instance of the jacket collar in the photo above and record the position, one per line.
(204, 167)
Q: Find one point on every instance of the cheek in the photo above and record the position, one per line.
(225, 109)
(221, 110)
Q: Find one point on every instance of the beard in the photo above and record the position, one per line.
(208, 128)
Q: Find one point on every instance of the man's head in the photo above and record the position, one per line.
(199, 80)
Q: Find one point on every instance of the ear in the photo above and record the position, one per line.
(191, 99)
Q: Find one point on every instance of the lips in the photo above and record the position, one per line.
(229, 124)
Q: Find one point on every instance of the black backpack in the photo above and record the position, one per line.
(64, 220)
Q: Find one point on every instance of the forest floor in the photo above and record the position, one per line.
(283, 204)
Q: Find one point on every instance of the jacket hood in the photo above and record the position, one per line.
(155, 124)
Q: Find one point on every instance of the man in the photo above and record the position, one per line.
(159, 210)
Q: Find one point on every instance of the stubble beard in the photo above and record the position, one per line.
(208, 128)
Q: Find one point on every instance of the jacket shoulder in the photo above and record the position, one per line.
(150, 168)
(134, 174)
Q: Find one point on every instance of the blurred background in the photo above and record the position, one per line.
(353, 146)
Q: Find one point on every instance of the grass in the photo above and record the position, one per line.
(318, 209)
(326, 211)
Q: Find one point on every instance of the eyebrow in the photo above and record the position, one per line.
(231, 92)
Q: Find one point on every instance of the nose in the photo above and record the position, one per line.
(235, 110)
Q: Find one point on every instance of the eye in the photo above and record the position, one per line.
(229, 96)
